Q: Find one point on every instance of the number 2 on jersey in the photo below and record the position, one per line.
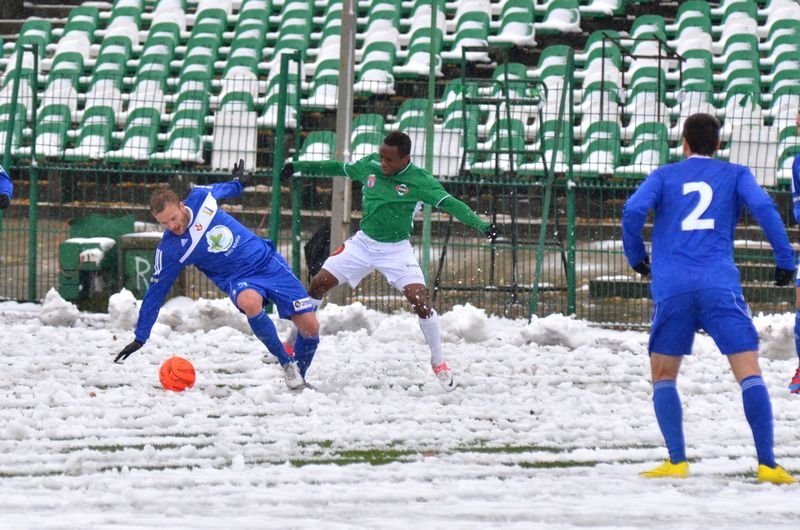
(693, 221)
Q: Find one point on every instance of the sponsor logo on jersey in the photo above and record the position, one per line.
(198, 227)
(401, 189)
(371, 181)
(219, 238)
(208, 211)
(303, 303)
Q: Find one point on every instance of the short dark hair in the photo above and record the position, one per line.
(400, 140)
(702, 133)
(161, 198)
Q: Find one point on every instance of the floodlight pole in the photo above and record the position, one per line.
(341, 196)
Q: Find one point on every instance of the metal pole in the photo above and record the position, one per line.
(33, 207)
(426, 209)
(341, 194)
(280, 134)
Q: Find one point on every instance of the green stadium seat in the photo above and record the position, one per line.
(550, 152)
(35, 32)
(365, 143)
(374, 70)
(172, 12)
(20, 121)
(420, 40)
(502, 149)
(515, 24)
(603, 8)
(140, 137)
(600, 150)
(94, 138)
(52, 124)
(561, 16)
(82, 19)
(318, 145)
(647, 156)
(471, 30)
(599, 103)
(368, 123)
(184, 146)
(387, 11)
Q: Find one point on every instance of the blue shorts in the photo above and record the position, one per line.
(721, 313)
(276, 283)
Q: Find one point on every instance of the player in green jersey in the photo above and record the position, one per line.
(392, 187)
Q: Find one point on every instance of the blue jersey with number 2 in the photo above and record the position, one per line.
(697, 203)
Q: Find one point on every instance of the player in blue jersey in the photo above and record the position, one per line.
(696, 285)
(794, 384)
(6, 189)
(248, 268)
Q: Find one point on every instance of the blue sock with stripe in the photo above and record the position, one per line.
(304, 350)
(797, 332)
(669, 413)
(265, 331)
(758, 411)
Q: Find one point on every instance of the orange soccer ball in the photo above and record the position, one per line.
(176, 374)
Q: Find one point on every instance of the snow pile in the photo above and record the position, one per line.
(58, 312)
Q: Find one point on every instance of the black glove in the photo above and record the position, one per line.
(239, 173)
(4, 201)
(127, 350)
(287, 172)
(491, 233)
(643, 267)
(784, 276)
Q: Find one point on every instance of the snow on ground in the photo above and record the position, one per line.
(549, 428)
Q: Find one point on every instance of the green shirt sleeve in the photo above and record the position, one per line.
(326, 168)
(463, 213)
(358, 170)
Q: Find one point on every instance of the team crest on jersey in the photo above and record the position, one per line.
(401, 189)
(219, 238)
(371, 181)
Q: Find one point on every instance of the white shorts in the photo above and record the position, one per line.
(361, 255)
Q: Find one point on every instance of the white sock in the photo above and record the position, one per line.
(432, 331)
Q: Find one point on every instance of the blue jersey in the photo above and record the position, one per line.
(216, 243)
(796, 187)
(6, 187)
(697, 203)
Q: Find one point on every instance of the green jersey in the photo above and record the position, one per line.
(389, 202)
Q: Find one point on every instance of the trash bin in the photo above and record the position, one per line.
(137, 252)
(86, 267)
(88, 260)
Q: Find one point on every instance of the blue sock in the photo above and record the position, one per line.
(265, 331)
(669, 413)
(758, 411)
(797, 332)
(304, 350)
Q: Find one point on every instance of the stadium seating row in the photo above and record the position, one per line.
(164, 80)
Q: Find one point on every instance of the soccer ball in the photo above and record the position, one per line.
(176, 374)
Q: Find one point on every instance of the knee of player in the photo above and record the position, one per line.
(307, 324)
(250, 302)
